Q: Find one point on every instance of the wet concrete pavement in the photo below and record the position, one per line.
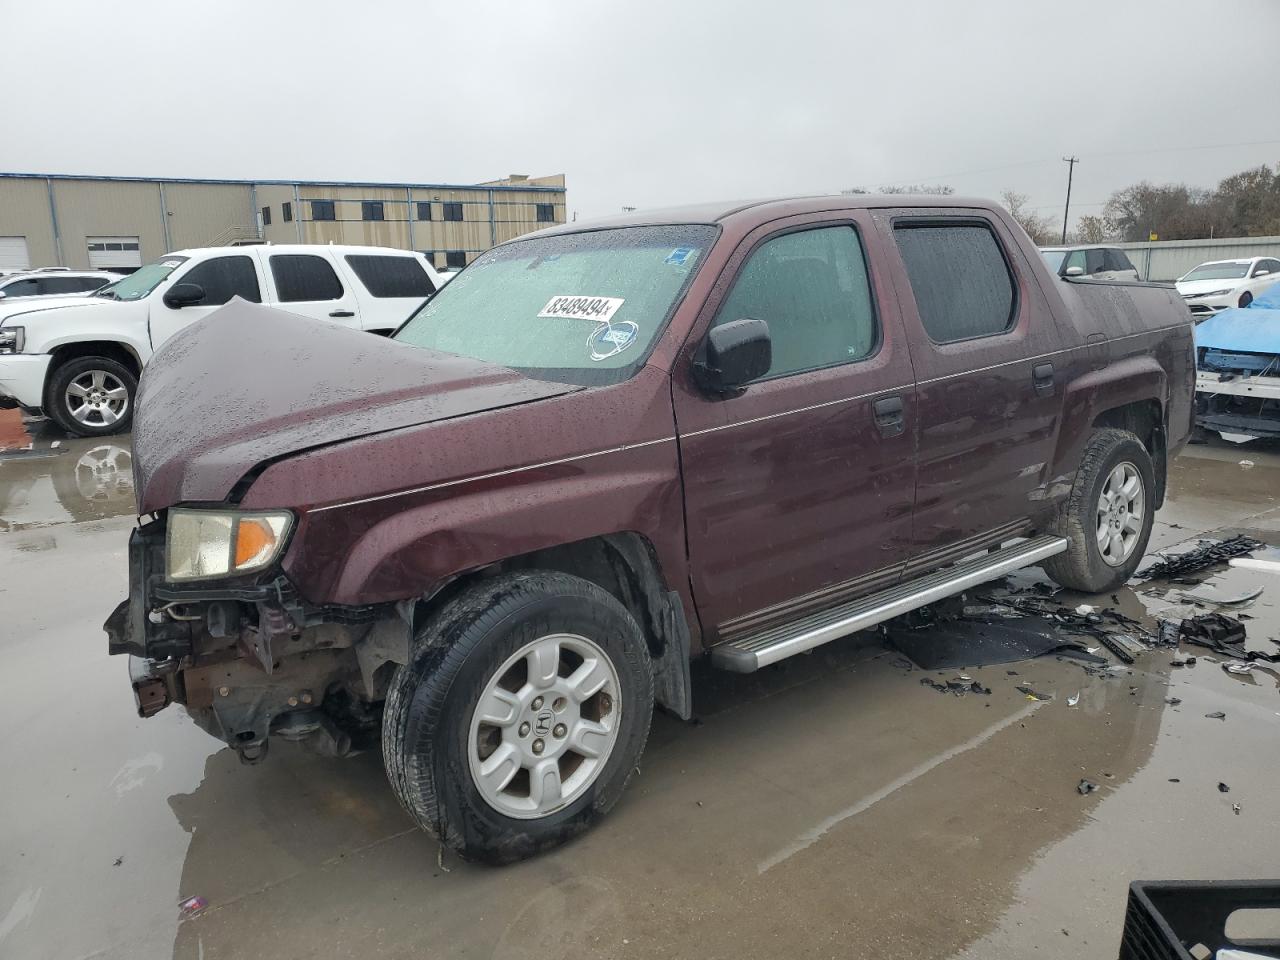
(826, 807)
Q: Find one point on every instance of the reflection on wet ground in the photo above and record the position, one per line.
(825, 807)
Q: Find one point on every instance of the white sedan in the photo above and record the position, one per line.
(1220, 284)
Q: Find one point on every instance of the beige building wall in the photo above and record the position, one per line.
(110, 208)
(207, 214)
(274, 196)
(24, 212)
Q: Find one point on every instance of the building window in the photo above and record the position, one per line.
(424, 209)
(371, 210)
(455, 259)
(453, 211)
(266, 216)
(546, 212)
(286, 212)
(322, 210)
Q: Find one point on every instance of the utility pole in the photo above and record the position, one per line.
(1071, 168)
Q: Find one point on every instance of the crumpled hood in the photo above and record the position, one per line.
(250, 384)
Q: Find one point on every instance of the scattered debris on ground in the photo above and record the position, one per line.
(192, 906)
(1033, 694)
(1223, 788)
(1218, 601)
(1206, 555)
(1216, 715)
(1224, 635)
(1086, 787)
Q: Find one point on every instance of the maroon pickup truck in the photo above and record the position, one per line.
(496, 539)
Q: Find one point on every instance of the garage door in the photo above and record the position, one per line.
(13, 254)
(106, 253)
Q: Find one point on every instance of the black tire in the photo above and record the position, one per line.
(427, 719)
(1082, 567)
(1246, 298)
(58, 408)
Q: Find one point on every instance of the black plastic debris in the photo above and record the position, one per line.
(1180, 660)
(1164, 918)
(1174, 780)
(1033, 694)
(1173, 701)
(1086, 787)
(1216, 715)
(955, 644)
(1168, 633)
(1206, 555)
(1216, 631)
(1223, 788)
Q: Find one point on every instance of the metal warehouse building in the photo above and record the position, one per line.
(124, 222)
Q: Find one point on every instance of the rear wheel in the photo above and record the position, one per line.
(521, 716)
(92, 396)
(1107, 518)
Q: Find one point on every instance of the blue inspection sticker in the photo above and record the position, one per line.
(679, 256)
(610, 339)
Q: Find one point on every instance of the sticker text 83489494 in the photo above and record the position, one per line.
(599, 309)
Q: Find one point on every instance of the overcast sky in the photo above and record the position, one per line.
(652, 102)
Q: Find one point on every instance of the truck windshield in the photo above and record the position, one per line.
(141, 282)
(582, 308)
(1223, 270)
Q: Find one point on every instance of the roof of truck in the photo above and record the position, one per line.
(765, 209)
(337, 248)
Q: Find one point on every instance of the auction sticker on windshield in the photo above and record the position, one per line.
(582, 308)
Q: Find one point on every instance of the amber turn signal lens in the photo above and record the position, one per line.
(254, 540)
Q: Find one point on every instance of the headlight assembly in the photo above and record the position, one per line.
(12, 339)
(204, 544)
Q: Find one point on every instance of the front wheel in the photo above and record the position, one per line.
(92, 396)
(521, 716)
(1107, 518)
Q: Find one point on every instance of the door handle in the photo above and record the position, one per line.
(1042, 377)
(342, 313)
(888, 415)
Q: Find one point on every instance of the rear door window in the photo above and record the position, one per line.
(1094, 261)
(222, 278)
(22, 288)
(303, 277)
(385, 276)
(811, 287)
(1116, 260)
(960, 279)
(66, 285)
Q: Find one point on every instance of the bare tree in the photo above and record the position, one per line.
(1092, 229)
(1039, 228)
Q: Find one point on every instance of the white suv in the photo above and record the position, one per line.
(53, 283)
(78, 358)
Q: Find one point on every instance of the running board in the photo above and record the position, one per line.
(769, 646)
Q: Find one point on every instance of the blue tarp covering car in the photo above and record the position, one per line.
(1238, 353)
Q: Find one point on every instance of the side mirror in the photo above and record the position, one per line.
(1074, 272)
(184, 295)
(736, 353)
(3, 294)
(1261, 273)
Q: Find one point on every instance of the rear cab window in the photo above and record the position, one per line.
(963, 286)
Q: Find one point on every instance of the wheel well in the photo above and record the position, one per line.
(1145, 420)
(625, 565)
(97, 348)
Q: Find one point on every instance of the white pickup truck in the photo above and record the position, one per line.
(78, 359)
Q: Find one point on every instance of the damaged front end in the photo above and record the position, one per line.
(249, 659)
(1238, 370)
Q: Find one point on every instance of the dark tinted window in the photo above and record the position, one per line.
(455, 258)
(266, 216)
(22, 288)
(1268, 266)
(959, 278)
(223, 278)
(392, 276)
(68, 284)
(812, 290)
(1093, 261)
(424, 210)
(371, 210)
(286, 212)
(546, 212)
(453, 211)
(322, 210)
(301, 277)
(1116, 260)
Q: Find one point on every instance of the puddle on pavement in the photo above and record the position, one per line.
(49, 479)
